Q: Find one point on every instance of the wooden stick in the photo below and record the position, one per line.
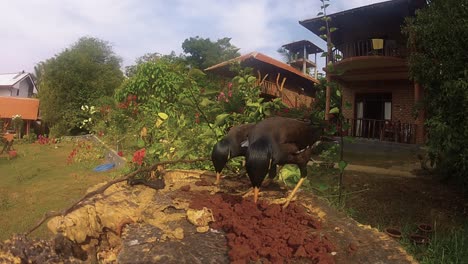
(104, 187)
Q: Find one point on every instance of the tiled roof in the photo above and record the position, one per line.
(264, 58)
(28, 108)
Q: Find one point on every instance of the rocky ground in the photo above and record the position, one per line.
(192, 221)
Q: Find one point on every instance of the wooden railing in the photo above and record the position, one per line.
(272, 89)
(268, 87)
(384, 130)
(364, 48)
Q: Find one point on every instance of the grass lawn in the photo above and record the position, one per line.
(39, 180)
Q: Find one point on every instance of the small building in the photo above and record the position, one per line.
(299, 52)
(17, 85)
(370, 52)
(275, 79)
(16, 90)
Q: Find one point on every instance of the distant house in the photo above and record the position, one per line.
(275, 78)
(16, 90)
(17, 85)
(374, 73)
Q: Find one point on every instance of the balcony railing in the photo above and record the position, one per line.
(364, 48)
(268, 88)
(272, 89)
(384, 130)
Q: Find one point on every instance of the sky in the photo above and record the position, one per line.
(35, 30)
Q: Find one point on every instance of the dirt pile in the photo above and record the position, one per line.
(267, 232)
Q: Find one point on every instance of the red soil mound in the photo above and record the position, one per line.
(266, 231)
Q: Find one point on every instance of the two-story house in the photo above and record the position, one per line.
(16, 90)
(373, 70)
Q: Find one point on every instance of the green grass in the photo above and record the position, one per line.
(449, 246)
(402, 203)
(39, 180)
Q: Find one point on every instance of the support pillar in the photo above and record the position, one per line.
(28, 126)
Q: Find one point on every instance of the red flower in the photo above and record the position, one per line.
(138, 156)
(120, 153)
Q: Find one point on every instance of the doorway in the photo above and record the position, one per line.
(372, 110)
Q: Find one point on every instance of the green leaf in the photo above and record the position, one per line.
(220, 119)
(324, 54)
(253, 104)
(348, 105)
(323, 187)
(342, 165)
(338, 93)
(334, 110)
(163, 116)
(251, 79)
(152, 150)
(323, 28)
(140, 143)
(333, 29)
(319, 13)
(205, 102)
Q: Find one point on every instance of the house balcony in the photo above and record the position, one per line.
(366, 61)
(386, 48)
(299, 63)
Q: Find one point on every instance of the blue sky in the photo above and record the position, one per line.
(35, 30)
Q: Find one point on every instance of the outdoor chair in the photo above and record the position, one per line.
(7, 143)
(388, 132)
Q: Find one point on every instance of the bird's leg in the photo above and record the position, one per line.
(218, 177)
(303, 170)
(291, 196)
(271, 176)
(256, 190)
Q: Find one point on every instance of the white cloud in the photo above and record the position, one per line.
(34, 30)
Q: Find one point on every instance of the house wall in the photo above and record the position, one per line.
(402, 97)
(292, 95)
(19, 89)
(5, 91)
(24, 87)
(402, 101)
(295, 99)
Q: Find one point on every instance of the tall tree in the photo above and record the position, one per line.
(77, 76)
(438, 38)
(203, 53)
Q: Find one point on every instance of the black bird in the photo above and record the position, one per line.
(278, 141)
(234, 144)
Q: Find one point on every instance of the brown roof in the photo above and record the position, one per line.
(380, 20)
(28, 108)
(257, 56)
(298, 46)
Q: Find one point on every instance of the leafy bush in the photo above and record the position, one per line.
(437, 37)
(164, 109)
(30, 138)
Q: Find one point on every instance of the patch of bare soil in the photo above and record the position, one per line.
(402, 201)
(138, 224)
(266, 231)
